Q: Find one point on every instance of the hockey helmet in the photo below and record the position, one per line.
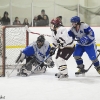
(40, 41)
(75, 19)
(55, 23)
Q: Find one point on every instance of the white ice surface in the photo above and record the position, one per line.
(46, 86)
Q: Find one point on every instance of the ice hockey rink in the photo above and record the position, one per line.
(46, 86)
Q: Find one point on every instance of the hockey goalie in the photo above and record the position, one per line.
(38, 57)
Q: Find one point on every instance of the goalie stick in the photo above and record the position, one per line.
(28, 30)
(8, 74)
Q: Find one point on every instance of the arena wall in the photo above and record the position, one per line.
(47, 31)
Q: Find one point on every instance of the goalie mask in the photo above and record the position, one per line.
(55, 23)
(40, 41)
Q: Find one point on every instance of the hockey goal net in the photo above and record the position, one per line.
(12, 40)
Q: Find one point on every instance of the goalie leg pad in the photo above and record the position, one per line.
(20, 58)
(41, 69)
(29, 62)
(23, 71)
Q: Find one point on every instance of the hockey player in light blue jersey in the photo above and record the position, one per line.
(86, 43)
(35, 55)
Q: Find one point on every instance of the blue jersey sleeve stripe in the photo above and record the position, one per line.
(71, 34)
(89, 32)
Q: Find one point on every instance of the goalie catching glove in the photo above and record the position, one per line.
(84, 40)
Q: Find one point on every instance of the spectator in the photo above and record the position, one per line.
(46, 20)
(25, 22)
(5, 19)
(39, 17)
(43, 14)
(45, 17)
(41, 21)
(16, 21)
(35, 21)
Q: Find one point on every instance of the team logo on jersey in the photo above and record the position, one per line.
(41, 54)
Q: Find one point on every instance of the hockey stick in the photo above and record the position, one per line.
(29, 31)
(8, 74)
(77, 40)
(92, 63)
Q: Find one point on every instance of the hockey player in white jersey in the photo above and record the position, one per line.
(86, 43)
(35, 54)
(65, 45)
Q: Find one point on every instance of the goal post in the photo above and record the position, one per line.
(12, 39)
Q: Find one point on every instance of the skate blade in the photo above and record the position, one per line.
(80, 75)
(63, 79)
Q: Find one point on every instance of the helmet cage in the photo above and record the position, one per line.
(40, 41)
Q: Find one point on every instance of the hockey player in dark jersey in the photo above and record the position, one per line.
(85, 43)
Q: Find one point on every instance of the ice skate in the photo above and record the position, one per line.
(63, 77)
(59, 75)
(81, 71)
(98, 69)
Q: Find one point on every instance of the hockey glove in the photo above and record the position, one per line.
(50, 63)
(84, 40)
(60, 42)
(52, 51)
